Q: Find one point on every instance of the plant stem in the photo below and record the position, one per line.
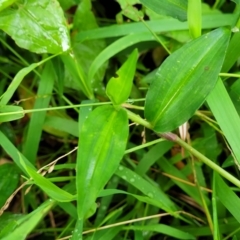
(207, 161)
(137, 119)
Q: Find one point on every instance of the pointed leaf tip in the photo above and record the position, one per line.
(185, 79)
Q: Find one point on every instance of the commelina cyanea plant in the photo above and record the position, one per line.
(119, 119)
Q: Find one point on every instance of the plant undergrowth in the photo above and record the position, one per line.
(119, 119)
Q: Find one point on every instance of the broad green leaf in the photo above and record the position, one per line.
(48, 187)
(38, 26)
(4, 99)
(6, 3)
(9, 180)
(16, 113)
(27, 223)
(102, 142)
(191, 70)
(174, 8)
(119, 87)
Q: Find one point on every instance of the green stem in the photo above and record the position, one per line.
(206, 160)
(137, 119)
(193, 151)
(229, 75)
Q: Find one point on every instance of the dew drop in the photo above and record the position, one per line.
(120, 168)
(150, 195)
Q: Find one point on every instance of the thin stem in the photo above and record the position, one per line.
(137, 119)
(229, 75)
(207, 161)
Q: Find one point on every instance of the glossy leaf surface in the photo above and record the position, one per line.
(119, 87)
(190, 71)
(174, 8)
(102, 142)
(6, 3)
(38, 26)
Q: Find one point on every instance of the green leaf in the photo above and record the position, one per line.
(220, 103)
(16, 113)
(38, 26)
(195, 17)
(102, 142)
(161, 25)
(119, 88)
(164, 229)
(77, 74)
(27, 223)
(34, 132)
(6, 3)
(156, 194)
(9, 181)
(48, 187)
(228, 198)
(174, 8)
(191, 70)
(4, 99)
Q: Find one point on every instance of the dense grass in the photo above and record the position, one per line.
(119, 120)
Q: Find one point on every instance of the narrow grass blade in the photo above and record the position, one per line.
(33, 136)
(176, 9)
(162, 25)
(226, 116)
(228, 198)
(194, 13)
(115, 48)
(48, 187)
(147, 188)
(4, 99)
(164, 229)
